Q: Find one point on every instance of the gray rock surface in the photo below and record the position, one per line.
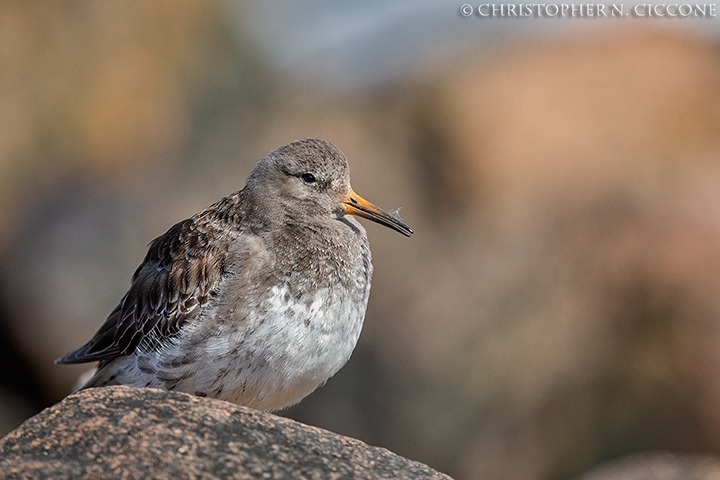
(120, 432)
(658, 466)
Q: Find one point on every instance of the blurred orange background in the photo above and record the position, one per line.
(558, 304)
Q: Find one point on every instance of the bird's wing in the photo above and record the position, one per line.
(180, 272)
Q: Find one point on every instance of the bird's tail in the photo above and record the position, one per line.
(105, 374)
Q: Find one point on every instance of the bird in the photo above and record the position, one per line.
(256, 300)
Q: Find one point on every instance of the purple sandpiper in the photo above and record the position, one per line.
(259, 298)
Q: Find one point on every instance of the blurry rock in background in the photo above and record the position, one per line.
(658, 466)
(558, 304)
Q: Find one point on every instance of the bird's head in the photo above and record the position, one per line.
(312, 177)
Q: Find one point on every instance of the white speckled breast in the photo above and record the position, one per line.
(275, 351)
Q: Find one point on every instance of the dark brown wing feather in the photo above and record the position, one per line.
(180, 272)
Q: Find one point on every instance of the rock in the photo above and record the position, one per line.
(658, 466)
(141, 433)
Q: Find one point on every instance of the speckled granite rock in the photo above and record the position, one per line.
(119, 432)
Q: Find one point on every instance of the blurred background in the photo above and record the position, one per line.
(558, 304)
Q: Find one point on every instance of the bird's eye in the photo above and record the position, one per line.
(308, 178)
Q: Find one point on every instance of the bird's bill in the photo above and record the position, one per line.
(354, 204)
